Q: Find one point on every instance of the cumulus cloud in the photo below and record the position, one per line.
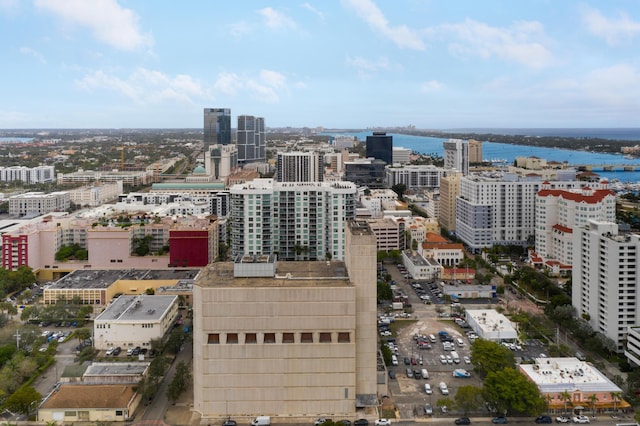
(403, 36)
(612, 30)
(276, 20)
(146, 86)
(33, 53)
(523, 42)
(106, 19)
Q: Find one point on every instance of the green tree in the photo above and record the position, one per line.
(179, 382)
(468, 398)
(23, 400)
(510, 391)
(593, 400)
(400, 189)
(82, 334)
(615, 397)
(490, 356)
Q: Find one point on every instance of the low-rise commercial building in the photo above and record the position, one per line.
(489, 324)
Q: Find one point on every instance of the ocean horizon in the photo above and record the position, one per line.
(622, 133)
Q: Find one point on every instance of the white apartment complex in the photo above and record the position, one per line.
(38, 203)
(28, 175)
(95, 196)
(605, 279)
(295, 220)
(500, 208)
(559, 212)
(414, 177)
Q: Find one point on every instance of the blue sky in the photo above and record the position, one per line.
(434, 64)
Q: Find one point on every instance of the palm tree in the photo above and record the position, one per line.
(593, 400)
(615, 396)
(566, 398)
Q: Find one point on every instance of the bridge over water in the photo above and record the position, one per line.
(606, 167)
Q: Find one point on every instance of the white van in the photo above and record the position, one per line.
(261, 421)
(443, 388)
(432, 338)
(459, 342)
(394, 360)
(424, 373)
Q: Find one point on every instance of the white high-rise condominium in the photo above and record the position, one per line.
(299, 167)
(456, 155)
(605, 279)
(295, 220)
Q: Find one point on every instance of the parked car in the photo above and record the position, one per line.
(382, 422)
(563, 419)
(320, 421)
(229, 422)
(361, 422)
(543, 419)
(463, 421)
(580, 419)
(116, 351)
(428, 410)
(392, 374)
(499, 420)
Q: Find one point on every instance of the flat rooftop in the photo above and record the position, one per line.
(137, 308)
(103, 278)
(288, 274)
(567, 374)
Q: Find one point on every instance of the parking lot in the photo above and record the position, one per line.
(430, 320)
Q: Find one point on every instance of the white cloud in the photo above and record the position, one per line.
(276, 20)
(431, 86)
(402, 36)
(313, 10)
(146, 86)
(365, 67)
(613, 30)
(615, 85)
(34, 53)
(106, 19)
(522, 43)
(9, 6)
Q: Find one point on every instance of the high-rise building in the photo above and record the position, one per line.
(449, 191)
(475, 151)
(296, 220)
(415, 177)
(380, 147)
(365, 172)
(605, 279)
(251, 139)
(456, 155)
(291, 340)
(217, 127)
(221, 161)
(559, 212)
(299, 167)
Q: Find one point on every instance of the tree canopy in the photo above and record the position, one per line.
(511, 392)
(490, 356)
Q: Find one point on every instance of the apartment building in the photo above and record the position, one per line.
(499, 208)
(605, 279)
(414, 177)
(38, 203)
(389, 233)
(93, 196)
(300, 167)
(559, 212)
(449, 191)
(456, 155)
(295, 220)
(28, 175)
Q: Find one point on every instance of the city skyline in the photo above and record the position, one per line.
(339, 64)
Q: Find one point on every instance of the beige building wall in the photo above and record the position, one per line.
(475, 151)
(449, 190)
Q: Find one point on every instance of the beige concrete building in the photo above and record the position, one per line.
(449, 190)
(291, 340)
(475, 151)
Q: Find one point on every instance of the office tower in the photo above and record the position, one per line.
(605, 279)
(217, 127)
(380, 147)
(299, 167)
(296, 220)
(251, 139)
(365, 172)
(456, 155)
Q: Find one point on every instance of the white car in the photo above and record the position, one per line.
(466, 359)
(580, 419)
(443, 359)
(449, 359)
(563, 419)
(382, 422)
